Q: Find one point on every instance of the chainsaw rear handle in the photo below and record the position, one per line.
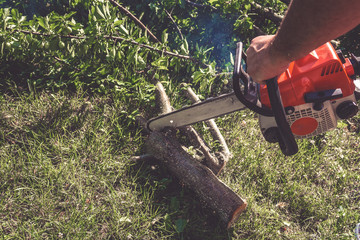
(249, 98)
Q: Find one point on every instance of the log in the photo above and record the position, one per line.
(225, 203)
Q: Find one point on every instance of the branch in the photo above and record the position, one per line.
(269, 14)
(116, 39)
(200, 5)
(221, 200)
(162, 99)
(135, 19)
(65, 63)
(258, 31)
(210, 161)
(176, 26)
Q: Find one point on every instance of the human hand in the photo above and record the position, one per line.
(263, 61)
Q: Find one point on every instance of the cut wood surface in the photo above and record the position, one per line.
(200, 179)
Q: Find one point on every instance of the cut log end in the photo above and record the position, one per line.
(237, 214)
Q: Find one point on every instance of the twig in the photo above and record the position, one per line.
(65, 63)
(176, 26)
(152, 48)
(200, 5)
(269, 14)
(258, 31)
(135, 19)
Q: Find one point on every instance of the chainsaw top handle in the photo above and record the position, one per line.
(249, 97)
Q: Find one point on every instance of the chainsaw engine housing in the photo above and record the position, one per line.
(316, 91)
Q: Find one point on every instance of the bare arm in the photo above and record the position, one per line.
(307, 25)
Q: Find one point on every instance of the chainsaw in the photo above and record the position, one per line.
(306, 100)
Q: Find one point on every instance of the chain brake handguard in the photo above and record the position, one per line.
(250, 99)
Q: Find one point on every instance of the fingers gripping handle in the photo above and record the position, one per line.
(249, 98)
(286, 138)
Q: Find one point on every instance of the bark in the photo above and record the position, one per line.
(162, 99)
(225, 203)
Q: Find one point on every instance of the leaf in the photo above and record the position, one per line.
(100, 12)
(141, 62)
(232, 58)
(197, 76)
(287, 223)
(42, 23)
(61, 44)
(118, 22)
(161, 63)
(123, 30)
(180, 225)
(2, 49)
(164, 36)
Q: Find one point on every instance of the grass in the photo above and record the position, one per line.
(67, 172)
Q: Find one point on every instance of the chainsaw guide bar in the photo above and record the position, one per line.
(210, 108)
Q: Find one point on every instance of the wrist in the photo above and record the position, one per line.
(279, 53)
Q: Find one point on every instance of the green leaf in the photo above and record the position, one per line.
(197, 76)
(185, 47)
(164, 37)
(161, 63)
(180, 225)
(42, 23)
(100, 12)
(123, 30)
(61, 44)
(2, 48)
(118, 22)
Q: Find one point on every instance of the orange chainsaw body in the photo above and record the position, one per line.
(316, 91)
(320, 70)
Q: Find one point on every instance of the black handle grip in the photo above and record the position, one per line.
(248, 96)
(250, 99)
(286, 138)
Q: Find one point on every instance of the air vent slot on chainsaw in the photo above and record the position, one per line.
(331, 69)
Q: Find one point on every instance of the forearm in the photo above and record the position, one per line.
(310, 23)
